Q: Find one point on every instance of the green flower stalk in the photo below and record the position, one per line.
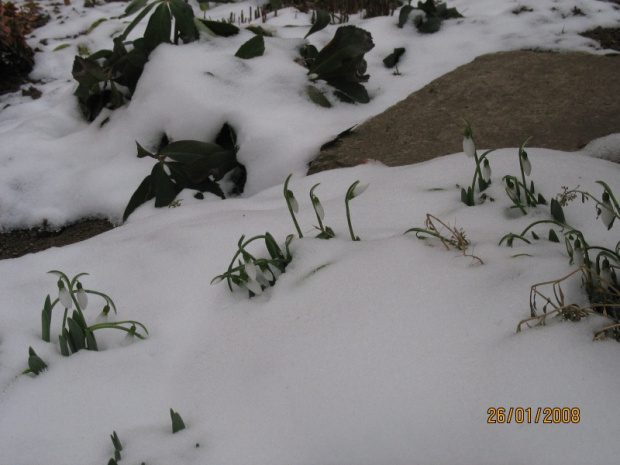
(481, 175)
(356, 189)
(326, 231)
(291, 203)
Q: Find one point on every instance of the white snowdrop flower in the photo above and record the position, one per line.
(64, 295)
(293, 202)
(606, 211)
(81, 296)
(253, 286)
(103, 316)
(250, 270)
(319, 208)
(486, 171)
(468, 146)
(359, 189)
(216, 280)
(527, 166)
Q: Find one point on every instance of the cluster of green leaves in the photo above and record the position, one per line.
(177, 425)
(188, 164)
(340, 63)
(598, 264)
(108, 78)
(427, 16)
(75, 333)
(255, 274)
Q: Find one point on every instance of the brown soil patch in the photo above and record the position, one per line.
(562, 100)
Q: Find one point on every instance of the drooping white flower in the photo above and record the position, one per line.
(606, 211)
(103, 316)
(318, 208)
(217, 279)
(293, 202)
(359, 189)
(527, 166)
(254, 286)
(486, 171)
(468, 146)
(250, 270)
(81, 296)
(64, 295)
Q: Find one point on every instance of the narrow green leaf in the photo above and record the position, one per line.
(317, 96)
(61, 47)
(323, 18)
(141, 195)
(64, 346)
(76, 335)
(116, 441)
(134, 7)
(177, 422)
(535, 236)
(553, 237)
(136, 20)
(254, 47)
(557, 213)
(187, 151)
(95, 24)
(46, 319)
(219, 28)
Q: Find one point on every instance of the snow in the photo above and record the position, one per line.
(387, 350)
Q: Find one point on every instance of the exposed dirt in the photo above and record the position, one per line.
(562, 100)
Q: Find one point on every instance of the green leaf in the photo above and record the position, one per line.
(187, 151)
(76, 335)
(219, 28)
(61, 47)
(432, 24)
(143, 193)
(553, 237)
(403, 16)
(254, 47)
(165, 190)
(135, 6)
(64, 346)
(177, 421)
(95, 24)
(317, 96)
(350, 91)
(535, 236)
(392, 59)
(142, 152)
(46, 319)
(557, 213)
(323, 18)
(91, 342)
(35, 364)
(184, 20)
(87, 72)
(136, 20)
(116, 441)
(159, 27)
(259, 31)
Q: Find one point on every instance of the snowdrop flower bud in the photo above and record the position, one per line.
(250, 270)
(606, 274)
(578, 258)
(217, 279)
(468, 145)
(293, 201)
(64, 295)
(103, 316)
(486, 171)
(267, 273)
(527, 166)
(606, 211)
(359, 189)
(82, 297)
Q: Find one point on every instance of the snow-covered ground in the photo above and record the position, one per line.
(387, 350)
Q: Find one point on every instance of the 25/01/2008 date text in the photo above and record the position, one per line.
(545, 415)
